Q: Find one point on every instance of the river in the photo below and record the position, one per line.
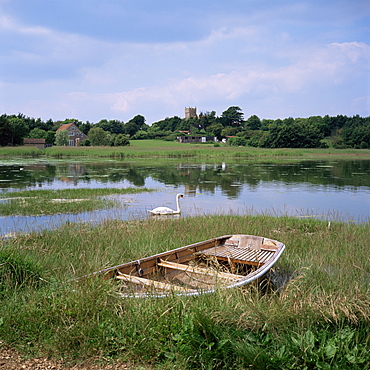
(333, 190)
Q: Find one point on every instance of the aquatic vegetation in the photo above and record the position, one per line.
(48, 202)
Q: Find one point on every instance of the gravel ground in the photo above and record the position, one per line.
(10, 359)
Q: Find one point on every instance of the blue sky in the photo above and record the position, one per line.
(114, 59)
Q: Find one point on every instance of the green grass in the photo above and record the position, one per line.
(316, 317)
(21, 151)
(160, 149)
(49, 202)
(166, 149)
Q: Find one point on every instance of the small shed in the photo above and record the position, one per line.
(195, 139)
(38, 143)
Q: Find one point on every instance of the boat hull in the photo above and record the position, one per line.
(224, 262)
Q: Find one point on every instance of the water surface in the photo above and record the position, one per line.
(327, 189)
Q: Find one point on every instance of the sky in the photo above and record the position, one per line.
(115, 59)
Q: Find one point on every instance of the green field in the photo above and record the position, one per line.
(168, 149)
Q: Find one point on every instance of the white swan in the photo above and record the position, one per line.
(166, 210)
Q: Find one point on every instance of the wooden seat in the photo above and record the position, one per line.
(198, 270)
(246, 255)
(152, 283)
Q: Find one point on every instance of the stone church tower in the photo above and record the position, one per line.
(190, 112)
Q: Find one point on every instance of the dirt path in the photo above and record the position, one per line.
(10, 359)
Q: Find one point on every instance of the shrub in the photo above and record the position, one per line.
(121, 140)
(237, 141)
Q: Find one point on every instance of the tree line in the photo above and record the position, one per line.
(313, 132)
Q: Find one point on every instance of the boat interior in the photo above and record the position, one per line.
(198, 267)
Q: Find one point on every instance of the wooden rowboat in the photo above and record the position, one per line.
(227, 261)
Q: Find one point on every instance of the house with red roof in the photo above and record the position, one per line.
(76, 136)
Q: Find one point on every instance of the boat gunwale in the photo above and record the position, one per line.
(261, 270)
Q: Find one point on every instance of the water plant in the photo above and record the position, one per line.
(48, 202)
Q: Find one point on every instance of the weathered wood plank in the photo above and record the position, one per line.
(152, 283)
(198, 270)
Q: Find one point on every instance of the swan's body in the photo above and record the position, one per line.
(166, 210)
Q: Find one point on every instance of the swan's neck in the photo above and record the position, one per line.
(178, 204)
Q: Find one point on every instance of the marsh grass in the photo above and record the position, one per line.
(49, 202)
(165, 149)
(16, 272)
(21, 151)
(316, 316)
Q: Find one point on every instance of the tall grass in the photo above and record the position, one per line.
(315, 315)
(21, 151)
(160, 149)
(165, 149)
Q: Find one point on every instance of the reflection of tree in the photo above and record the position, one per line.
(135, 177)
(229, 178)
(19, 177)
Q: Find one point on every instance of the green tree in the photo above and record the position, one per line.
(233, 116)
(294, 134)
(18, 130)
(85, 127)
(357, 133)
(207, 119)
(98, 137)
(37, 133)
(253, 123)
(140, 135)
(50, 137)
(112, 126)
(154, 131)
(170, 124)
(229, 131)
(139, 121)
(62, 138)
(121, 140)
(237, 141)
(5, 131)
(130, 128)
(258, 138)
(266, 124)
(215, 129)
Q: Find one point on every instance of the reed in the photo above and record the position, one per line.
(21, 151)
(315, 313)
(165, 149)
(49, 202)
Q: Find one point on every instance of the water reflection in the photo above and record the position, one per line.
(201, 177)
(304, 187)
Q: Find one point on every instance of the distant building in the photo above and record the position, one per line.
(76, 137)
(190, 112)
(195, 139)
(38, 143)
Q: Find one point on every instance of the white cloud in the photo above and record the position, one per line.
(308, 76)
(255, 58)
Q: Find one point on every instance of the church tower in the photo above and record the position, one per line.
(190, 112)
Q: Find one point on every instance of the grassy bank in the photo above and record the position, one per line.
(165, 149)
(316, 316)
(50, 202)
